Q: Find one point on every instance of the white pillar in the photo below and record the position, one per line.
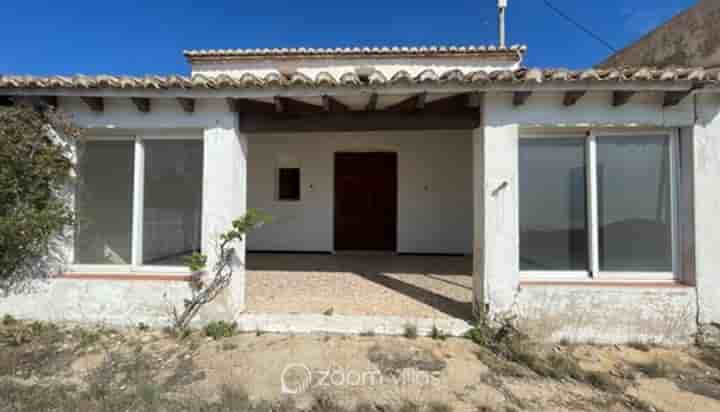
(496, 246)
(706, 190)
(224, 199)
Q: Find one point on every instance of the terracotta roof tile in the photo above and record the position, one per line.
(375, 79)
(514, 50)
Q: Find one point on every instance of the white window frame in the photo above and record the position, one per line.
(593, 273)
(138, 209)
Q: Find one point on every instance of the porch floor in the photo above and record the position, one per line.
(360, 285)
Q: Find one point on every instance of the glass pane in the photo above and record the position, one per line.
(104, 203)
(553, 217)
(634, 213)
(173, 201)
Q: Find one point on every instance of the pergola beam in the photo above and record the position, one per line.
(96, 104)
(142, 104)
(621, 98)
(519, 98)
(572, 97)
(188, 105)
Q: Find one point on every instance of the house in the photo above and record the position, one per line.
(587, 200)
(689, 39)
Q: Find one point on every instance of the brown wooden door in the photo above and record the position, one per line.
(365, 201)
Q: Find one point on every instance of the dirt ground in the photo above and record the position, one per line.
(367, 284)
(145, 369)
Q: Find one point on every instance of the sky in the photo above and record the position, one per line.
(147, 37)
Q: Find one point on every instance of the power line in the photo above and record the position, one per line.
(579, 26)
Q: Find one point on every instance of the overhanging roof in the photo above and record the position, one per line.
(513, 52)
(504, 80)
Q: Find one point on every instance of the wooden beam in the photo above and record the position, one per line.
(187, 104)
(519, 98)
(620, 98)
(674, 98)
(296, 106)
(456, 103)
(142, 104)
(50, 101)
(474, 100)
(372, 103)
(572, 97)
(279, 104)
(411, 104)
(96, 104)
(332, 105)
(251, 106)
(359, 121)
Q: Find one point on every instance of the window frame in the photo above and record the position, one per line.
(138, 206)
(277, 185)
(593, 272)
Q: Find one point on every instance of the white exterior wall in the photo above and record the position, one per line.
(338, 66)
(592, 311)
(706, 162)
(434, 188)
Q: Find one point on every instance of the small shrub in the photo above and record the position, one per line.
(437, 334)
(143, 327)
(9, 320)
(368, 332)
(641, 346)
(220, 329)
(710, 355)
(227, 346)
(410, 331)
(655, 369)
(438, 407)
(602, 381)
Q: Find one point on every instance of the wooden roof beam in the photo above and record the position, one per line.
(674, 98)
(520, 98)
(96, 104)
(372, 103)
(187, 104)
(142, 104)
(411, 104)
(572, 97)
(251, 106)
(288, 105)
(333, 105)
(621, 98)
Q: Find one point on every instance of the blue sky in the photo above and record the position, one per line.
(141, 37)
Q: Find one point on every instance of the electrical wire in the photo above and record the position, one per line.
(579, 26)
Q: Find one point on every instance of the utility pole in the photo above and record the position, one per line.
(502, 5)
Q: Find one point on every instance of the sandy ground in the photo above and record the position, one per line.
(365, 284)
(382, 371)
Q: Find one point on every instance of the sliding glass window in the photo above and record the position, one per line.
(600, 206)
(173, 201)
(138, 203)
(104, 203)
(553, 213)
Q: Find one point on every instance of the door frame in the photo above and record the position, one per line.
(394, 249)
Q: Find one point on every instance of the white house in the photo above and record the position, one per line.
(588, 200)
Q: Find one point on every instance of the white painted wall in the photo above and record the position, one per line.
(433, 220)
(338, 66)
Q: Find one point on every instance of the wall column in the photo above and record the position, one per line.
(224, 199)
(706, 191)
(496, 246)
